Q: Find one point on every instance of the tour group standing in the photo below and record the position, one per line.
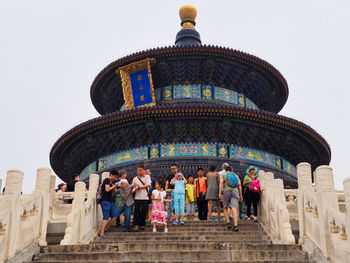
(147, 200)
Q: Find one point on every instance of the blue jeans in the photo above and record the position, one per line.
(127, 214)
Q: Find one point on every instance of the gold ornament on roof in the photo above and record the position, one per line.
(188, 15)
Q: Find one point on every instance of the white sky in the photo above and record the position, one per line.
(51, 51)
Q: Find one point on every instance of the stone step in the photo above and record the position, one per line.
(174, 261)
(168, 246)
(207, 224)
(94, 247)
(165, 237)
(173, 232)
(175, 255)
(185, 246)
(190, 228)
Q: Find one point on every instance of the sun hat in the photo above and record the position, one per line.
(252, 167)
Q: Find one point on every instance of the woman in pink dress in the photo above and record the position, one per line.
(158, 212)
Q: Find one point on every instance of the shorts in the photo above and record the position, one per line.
(190, 208)
(230, 199)
(108, 209)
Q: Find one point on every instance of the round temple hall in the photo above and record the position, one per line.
(191, 104)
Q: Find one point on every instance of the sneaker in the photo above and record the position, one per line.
(182, 222)
(165, 230)
(249, 218)
(228, 225)
(102, 236)
(118, 225)
(255, 219)
(126, 230)
(154, 230)
(231, 216)
(235, 229)
(137, 228)
(173, 219)
(175, 222)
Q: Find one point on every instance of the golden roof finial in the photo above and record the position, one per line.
(188, 15)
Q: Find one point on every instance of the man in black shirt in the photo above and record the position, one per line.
(71, 185)
(107, 201)
(169, 188)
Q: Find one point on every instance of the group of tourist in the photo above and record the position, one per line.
(147, 201)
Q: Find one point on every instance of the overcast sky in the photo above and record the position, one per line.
(51, 51)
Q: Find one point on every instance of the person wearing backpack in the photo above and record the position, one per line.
(252, 192)
(231, 192)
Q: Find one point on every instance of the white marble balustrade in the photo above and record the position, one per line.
(323, 227)
(273, 213)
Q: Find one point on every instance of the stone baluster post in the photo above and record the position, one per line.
(262, 203)
(53, 200)
(12, 201)
(304, 184)
(283, 218)
(326, 197)
(261, 175)
(42, 188)
(278, 192)
(346, 184)
(93, 185)
(104, 176)
(14, 180)
(79, 205)
(52, 191)
(75, 220)
(268, 192)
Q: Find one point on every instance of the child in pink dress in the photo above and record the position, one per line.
(158, 212)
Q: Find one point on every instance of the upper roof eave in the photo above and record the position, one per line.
(210, 50)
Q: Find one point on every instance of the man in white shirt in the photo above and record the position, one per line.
(143, 182)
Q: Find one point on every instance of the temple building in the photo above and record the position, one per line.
(191, 104)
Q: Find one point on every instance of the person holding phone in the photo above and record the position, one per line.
(179, 182)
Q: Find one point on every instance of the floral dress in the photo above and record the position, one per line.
(158, 212)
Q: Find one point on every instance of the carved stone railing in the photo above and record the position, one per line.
(323, 228)
(60, 208)
(273, 213)
(291, 196)
(85, 217)
(23, 218)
